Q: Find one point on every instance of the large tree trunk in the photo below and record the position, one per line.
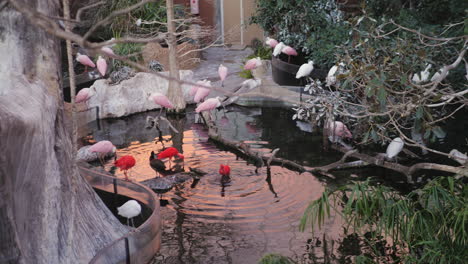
(48, 213)
(174, 91)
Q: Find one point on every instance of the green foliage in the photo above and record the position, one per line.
(246, 74)
(428, 225)
(275, 259)
(130, 50)
(313, 27)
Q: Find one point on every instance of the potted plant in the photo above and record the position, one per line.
(313, 27)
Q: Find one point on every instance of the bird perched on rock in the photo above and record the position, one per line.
(253, 63)
(85, 60)
(125, 163)
(102, 148)
(129, 210)
(101, 66)
(222, 72)
(83, 95)
(278, 48)
(155, 163)
(224, 170)
(271, 42)
(305, 70)
(208, 105)
(394, 148)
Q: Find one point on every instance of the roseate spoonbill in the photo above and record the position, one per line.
(271, 42)
(83, 95)
(253, 63)
(222, 71)
(337, 130)
(423, 75)
(278, 48)
(224, 170)
(209, 104)
(125, 163)
(289, 51)
(101, 66)
(194, 88)
(102, 148)
(305, 70)
(170, 153)
(129, 210)
(394, 147)
(156, 164)
(85, 60)
(108, 51)
(162, 100)
(202, 92)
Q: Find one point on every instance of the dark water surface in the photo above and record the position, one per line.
(236, 220)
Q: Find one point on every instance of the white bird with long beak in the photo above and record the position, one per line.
(278, 48)
(129, 210)
(394, 147)
(305, 70)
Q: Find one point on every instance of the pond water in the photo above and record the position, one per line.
(236, 220)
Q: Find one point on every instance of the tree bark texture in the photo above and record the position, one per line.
(38, 175)
(174, 92)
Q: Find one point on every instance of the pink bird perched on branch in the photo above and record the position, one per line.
(161, 99)
(102, 148)
(222, 71)
(253, 63)
(101, 66)
(271, 42)
(85, 60)
(202, 92)
(209, 104)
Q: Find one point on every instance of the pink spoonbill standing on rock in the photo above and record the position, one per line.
(162, 100)
(85, 60)
(102, 148)
(83, 95)
(222, 71)
(101, 66)
(202, 92)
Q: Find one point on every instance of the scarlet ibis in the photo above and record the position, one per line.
(156, 163)
(278, 49)
(85, 60)
(271, 42)
(125, 163)
(83, 95)
(253, 63)
(129, 210)
(222, 71)
(102, 148)
(423, 75)
(101, 65)
(394, 147)
(224, 170)
(208, 105)
(202, 92)
(170, 153)
(338, 130)
(305, 70)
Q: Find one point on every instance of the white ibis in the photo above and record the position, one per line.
(305, 70)
(129, 210)
(394, 147)
(278, 48)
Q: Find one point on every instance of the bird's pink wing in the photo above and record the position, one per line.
(273, 43)
(250, 64)
(83, 95)
(85, 60)
(201, 94)
(102, 147)
(207, 105)
(163, 101)
(222, 71)
(289, 51)
(102, 66)
(193, 90)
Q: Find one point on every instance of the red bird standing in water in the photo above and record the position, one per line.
(170, 153)
(224, 170)
(125, 163)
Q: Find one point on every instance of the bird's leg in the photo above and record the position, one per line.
(289, 58)
(128, 222)
(126, 176)
(133, 223)
(160, 112)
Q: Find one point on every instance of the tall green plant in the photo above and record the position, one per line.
(429, 225)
